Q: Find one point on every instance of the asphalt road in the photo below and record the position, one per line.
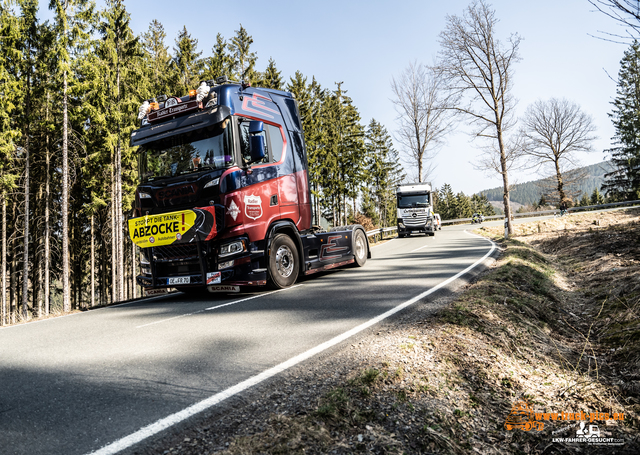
(90, 382)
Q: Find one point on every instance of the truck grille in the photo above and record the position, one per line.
(419, 220)
(176, 253)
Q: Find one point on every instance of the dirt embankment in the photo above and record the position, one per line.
(547, 336)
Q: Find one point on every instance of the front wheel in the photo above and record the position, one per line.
(360, 248)
(284, 263)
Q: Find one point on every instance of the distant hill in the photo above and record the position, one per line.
(529, 192)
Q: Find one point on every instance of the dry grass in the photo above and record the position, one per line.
(553, 322)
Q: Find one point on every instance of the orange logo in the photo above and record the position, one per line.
(523, 417)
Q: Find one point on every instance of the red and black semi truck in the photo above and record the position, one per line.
(224, 199)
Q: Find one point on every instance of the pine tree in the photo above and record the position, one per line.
(624, 182)
(157, 59)
(383, 172)
(120, 62)
(10, 87)
(220, 63)
(271, 77)
(447, 204)
(463, 206)
(596, 197)
(187, 63)
(243, 59)
(72, 18)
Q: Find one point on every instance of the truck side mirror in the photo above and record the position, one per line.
(256, 143)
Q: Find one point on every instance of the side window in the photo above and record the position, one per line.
(245, 151)
(276, 144)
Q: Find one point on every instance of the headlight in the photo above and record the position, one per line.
(213, 182)
(228, 249)
(144, 195)
(401, 225)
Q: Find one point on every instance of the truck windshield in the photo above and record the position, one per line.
(413, 200)
(204, 149)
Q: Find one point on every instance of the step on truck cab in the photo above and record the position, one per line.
(223, 199)
(415, 209)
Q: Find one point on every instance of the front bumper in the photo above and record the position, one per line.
(197, 265)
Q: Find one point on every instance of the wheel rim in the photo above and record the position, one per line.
(360, 247)
(284, 261)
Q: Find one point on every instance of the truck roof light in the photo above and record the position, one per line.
(192, 94)
(173, 101)
(222, 79)
(162, 98)
(154, 106)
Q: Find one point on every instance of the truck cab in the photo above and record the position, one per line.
(415, 209)
(223, 199)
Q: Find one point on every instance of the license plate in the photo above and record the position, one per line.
(223, 288)
(179, 280)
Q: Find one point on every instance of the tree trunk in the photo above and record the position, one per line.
(13, 278)
(93, 263)
(114, 239)
(66, 301)
(3, 318)
(25, 250)
(505, 180)
(560, 182)
(47, 234)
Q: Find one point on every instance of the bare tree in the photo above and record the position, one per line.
(625, 12)
(571, 181)
(423, 114)
(479, 69)
(554, 131)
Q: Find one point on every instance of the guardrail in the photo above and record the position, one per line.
(381, 231)
(375, 232)
(545, 212)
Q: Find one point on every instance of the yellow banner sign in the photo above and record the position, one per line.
(162, 229)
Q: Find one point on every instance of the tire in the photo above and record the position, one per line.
(284, 262)
(360, 248)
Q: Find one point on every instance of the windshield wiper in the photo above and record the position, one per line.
(206, 167)
(160, 177)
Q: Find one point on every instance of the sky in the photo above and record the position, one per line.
(364, 44)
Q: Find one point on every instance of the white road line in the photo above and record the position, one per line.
(418, 249)
(213, 400)
(250, 298)
(215, 307)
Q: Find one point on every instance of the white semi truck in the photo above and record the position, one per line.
(415, 209)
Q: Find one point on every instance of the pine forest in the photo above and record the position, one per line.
(71, 89)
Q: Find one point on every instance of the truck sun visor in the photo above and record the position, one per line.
(179, 124)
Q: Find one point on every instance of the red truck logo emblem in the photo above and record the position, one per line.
(253, 207)
(330, 250)
(256, 105)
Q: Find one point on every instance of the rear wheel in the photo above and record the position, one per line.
(360, 248)
(284, 263)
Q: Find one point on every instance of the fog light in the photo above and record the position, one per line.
(225, 265)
